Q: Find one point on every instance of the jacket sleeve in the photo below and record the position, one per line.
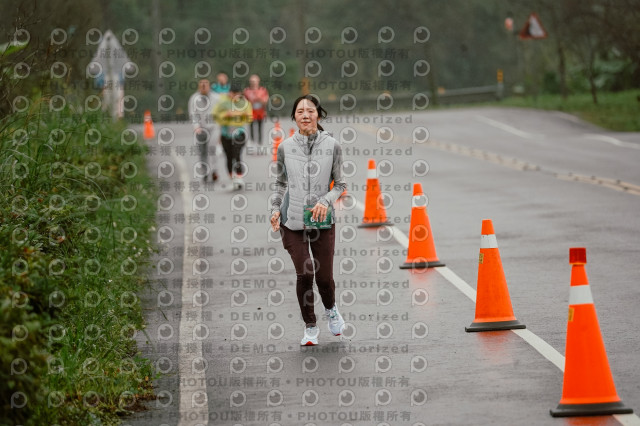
(339, 184)
(281, 181)
(264, 95)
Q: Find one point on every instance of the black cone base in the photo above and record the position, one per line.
(421, 265)
(494, 326)
(575, 410)
(374, 224)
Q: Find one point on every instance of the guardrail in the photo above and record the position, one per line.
(387, 101)
(417, 101)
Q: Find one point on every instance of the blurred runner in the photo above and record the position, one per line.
(258, 96)
(232, 113)
(201, 106)
(222, 83)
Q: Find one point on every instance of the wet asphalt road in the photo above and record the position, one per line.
(223, 314)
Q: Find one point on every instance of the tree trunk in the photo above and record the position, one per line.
(558, 35)
(431, 77)
(106, 18)
(592, 84)
(155, 22)
(562, 71)
(303, 82)
(592, 58)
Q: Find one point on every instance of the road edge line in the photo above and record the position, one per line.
(186, 327)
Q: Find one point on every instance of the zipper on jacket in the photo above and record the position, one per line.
(309, 172)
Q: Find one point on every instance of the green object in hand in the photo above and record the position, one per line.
(309, 222)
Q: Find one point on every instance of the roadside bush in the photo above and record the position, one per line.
(76, 216)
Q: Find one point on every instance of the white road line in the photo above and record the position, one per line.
(628, 419)
(458, 282)
(506, 127)
(611, 140)
(543, 348)
(193, 389)
(397, 234)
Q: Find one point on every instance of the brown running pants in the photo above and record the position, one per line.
(322, 243)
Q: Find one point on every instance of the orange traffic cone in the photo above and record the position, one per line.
(374, 212)
(588, 388)
(149, 133)
(277, 138)
(292, 132)
(422, 250)
(493, 304)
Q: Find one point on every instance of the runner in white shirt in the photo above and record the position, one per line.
(201, 106)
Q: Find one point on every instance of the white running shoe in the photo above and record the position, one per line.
(336, 323)
(238, 183)
(310, 337)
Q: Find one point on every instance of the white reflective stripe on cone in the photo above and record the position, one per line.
(488, 241)
(580, 295)
(372, 173)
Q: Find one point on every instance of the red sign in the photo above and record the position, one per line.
(533, 28)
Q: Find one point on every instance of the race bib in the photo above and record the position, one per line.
(309, 222)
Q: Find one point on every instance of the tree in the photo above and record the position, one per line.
(53, 57)
(592, 31)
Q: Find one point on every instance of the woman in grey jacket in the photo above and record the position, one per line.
(307, 162)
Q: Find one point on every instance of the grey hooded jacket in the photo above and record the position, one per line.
(305, 168)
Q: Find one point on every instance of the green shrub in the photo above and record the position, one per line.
(77, 214)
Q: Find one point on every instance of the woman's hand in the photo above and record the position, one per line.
(319, 212)
(275, 221)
